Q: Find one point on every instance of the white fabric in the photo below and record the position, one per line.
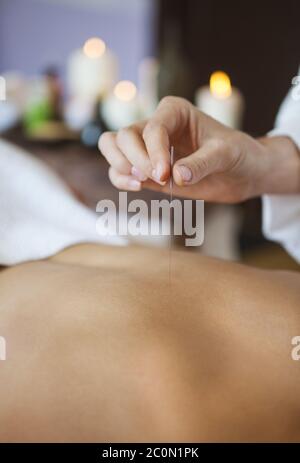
(281, 214)
(38, 214)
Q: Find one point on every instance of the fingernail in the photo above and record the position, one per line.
(134, 184)
(185, 173)
(138, 174)
(155, 177)
(157, 174)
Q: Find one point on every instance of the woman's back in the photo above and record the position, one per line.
(102, 346)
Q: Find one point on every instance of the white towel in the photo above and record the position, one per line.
(38, 214)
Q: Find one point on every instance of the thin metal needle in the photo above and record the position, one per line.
(171, 199)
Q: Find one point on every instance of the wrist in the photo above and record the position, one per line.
(281, 166)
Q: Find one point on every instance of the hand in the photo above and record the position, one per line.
(213, 162)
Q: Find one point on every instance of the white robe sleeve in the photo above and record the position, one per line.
(281, 214)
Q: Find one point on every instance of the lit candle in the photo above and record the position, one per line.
(121, 107)
(92, 70)
(221, 101)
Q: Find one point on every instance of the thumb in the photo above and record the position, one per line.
(209, 159)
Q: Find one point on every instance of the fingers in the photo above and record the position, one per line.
(212, 157)
(121, 173)
(126, 152)
(130, 143)
(170, 116)
(124, 182)
(156, 139)
(143, 150)
(114, 156)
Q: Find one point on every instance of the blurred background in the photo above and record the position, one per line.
(74, 68)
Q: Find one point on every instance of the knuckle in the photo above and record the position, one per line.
(132, 128)
(167, 100)
(149, 128)
(222, 148)
(227, 151)
(218, 144)
(154, 129)
(200, 166)
(171, 100)
(122, 166)
(105, 138)
(123, 134)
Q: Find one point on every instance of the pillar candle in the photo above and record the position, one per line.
(121, 107)
(221, 101)
(92, 70)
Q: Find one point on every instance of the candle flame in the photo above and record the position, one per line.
(125, 90)
(220, 85)
(94, 47)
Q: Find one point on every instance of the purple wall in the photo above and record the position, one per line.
(36, 33)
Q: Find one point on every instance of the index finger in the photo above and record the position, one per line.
(169, 117)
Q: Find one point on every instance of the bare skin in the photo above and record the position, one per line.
(100, 348)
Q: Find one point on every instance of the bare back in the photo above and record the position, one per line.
(101, 348)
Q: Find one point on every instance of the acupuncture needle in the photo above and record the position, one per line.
(171, 172)
(171, 199)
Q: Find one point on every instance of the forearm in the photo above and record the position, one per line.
(281, 172)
